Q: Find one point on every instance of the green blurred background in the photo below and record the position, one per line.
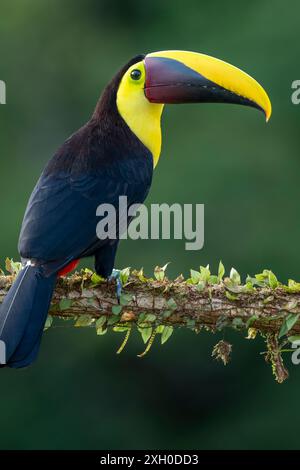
(56, 57)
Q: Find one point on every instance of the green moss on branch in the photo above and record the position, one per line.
(157, 306)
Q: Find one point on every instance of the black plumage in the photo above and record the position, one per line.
(99, 163)
(96, 165)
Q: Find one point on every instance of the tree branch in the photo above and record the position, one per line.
(157, 305)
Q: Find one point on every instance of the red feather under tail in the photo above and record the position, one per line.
(70, 267)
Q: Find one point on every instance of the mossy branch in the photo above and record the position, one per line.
(156, 306)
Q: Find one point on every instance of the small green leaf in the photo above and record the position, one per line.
(195, 276)
(116, 309)
(124, 275)
(237, 323)
(87, 271)
(142, 317)
(204, 273)
(125, 299)
(48, 322)
(159, 272)
(263, 277)
(248, 287)
(112, 320)
(120, 329)
(166, 313)
(150, 317)
(232, 287)
(160, 329)
(171, 304)
(13, 267)
(293, 339)
(64, 304)
(268, 299)
(168, 330)
(288, 323)
(97, 279)
(231, 296)
(190, 323)
(293, 287)
(267, 278)
(140, 275)
(84, 320)
(201, 286)
(100, 322)
(100, 325)
(221, 271)
(251, 320)
(254, 281)
(273, 282)
(146, 333)
(101, 331)
(213, 279)
(235, 277)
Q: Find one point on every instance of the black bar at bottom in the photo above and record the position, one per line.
(146, 458)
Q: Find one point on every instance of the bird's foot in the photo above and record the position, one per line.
(116, 276)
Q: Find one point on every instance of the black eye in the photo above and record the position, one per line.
(136, 74)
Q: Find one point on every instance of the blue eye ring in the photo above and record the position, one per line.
(135, 74)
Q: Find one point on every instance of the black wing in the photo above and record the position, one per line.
(60, 221)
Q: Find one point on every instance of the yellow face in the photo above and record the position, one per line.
(141, 116)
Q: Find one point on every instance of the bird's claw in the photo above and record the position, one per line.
(115, 276)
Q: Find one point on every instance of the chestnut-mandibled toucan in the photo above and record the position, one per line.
(112, 155)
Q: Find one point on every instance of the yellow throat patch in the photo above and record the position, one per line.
(141, 116)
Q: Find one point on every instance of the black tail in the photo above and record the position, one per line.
(23, 314)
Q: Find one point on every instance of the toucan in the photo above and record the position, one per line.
(112, 155)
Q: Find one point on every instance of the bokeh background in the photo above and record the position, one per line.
(56, 57)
